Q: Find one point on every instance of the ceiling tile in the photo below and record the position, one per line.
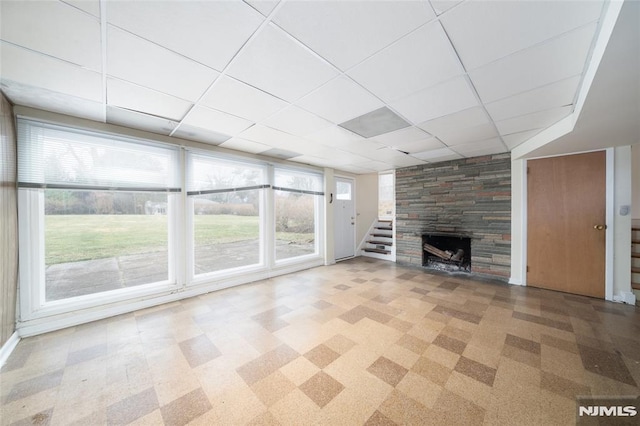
(346, 32)
(405, 161)
(314, 161)
(136, 120)
(434, 155)
(356, 170)
(408, 134)
(362, 147)
(340, 100)
(216, 121)
(529, 69)
(537, 120)
(89, 6)
(419, 146)
(263, 6)
(36, 97)
(137, 98)
(282, 154)
(199, 134)
(26, 67)
(393, 158)
(486, 147)
(296, 121)
(470, 117)
(210, 32)
(462, 135)
(377, 166)
(343, 158)
(432, 60)
(478, 29)
(244, 145)
(384, 154)
(375, 123)
(516, 139)
(556, 94)
(237, 98)
(278, 139)
(53, 28)
(443, 99)
(334, 136)
(441, 6)
(139, 61)
(276, 63)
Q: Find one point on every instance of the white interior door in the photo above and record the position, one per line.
(344, 219)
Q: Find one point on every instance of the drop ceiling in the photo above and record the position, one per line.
(360, 86)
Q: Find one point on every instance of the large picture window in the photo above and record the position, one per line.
(98, 241)
(297, 206)
(226, 199)
(104, 204)
(113, 221)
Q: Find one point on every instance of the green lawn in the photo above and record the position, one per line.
(70, 238)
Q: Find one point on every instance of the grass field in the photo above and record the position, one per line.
(71, 238)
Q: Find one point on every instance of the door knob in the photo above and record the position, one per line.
(599, 227)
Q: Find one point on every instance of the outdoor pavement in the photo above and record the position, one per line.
(66, 280)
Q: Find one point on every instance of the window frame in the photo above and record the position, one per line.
(31, 208)
(35, 318)
(318, 218)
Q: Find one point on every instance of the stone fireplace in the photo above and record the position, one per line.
(469, 197)
(446, 252)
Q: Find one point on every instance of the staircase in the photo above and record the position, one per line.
(380, 242)
(635, 258)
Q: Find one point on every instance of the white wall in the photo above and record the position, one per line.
(635, 181)
(518, 222)
(366, 204)
(622, 183)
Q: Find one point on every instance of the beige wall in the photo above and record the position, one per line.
(8, 222)
(366, 204)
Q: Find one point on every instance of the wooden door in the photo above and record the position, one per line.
(565, 210)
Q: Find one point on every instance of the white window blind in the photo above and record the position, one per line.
(209, 175)
(297, 181)
(51, 156)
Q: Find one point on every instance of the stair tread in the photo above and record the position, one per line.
(380, 243)
(635, 286)
(384, 228)
(376, 250)
(635, 254)
(635, 270)
(635, 241)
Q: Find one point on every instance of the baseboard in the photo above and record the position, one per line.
(8, 348)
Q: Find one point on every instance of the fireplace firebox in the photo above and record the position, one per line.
(446, 252)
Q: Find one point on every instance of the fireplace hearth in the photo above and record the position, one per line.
(446, 252)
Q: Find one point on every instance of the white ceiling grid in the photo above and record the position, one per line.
(471, 77)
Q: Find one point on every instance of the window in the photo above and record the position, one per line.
(386, 199)
(99, 207)
(297, 207)
(105, 220)
(343, 190)
(226, 199)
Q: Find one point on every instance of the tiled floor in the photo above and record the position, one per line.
(361, 342)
